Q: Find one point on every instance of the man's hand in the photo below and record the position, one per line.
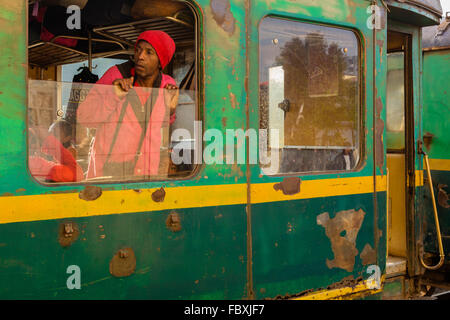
(122, 86)
(171, 94)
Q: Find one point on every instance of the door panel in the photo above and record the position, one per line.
(397, 205)
(403, 41)
(314, 217)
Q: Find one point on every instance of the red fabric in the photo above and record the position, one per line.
(162, 43)
(41, 14)
(101, 110)
(64, 168)
(46, 35)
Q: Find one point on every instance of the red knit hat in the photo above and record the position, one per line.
(161, 42)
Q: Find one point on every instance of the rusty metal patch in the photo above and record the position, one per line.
(68, 233)
(347, 282)
(221, 10)
(289, 186)
(428, 139)
(159, 195)
(90, 193)
(368, 255)
(342, 231)
(443, 196)
(379, 128)
(173, 222)
(123, 263)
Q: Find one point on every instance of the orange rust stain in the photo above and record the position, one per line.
(342, 231)
(233, 100)
(368, 255)
(222, 14)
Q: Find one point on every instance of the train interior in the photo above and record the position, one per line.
(399, 130)
(72, 43)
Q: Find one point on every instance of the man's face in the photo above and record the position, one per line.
(146, 60)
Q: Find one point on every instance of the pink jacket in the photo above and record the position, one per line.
(101, 110)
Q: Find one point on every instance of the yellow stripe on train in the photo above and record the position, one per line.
(439, 164)
(69, 205)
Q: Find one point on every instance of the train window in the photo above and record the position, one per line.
(309, 96)
(395, 101)
(109, 84)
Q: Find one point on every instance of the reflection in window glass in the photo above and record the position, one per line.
(395, 96)
(127, 134)
(309, 92)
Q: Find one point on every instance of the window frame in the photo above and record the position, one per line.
(362, 110)
(198, 100)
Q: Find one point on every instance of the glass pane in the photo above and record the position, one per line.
(81, 127)
(89, 132)
(309, 94)
(395, 101)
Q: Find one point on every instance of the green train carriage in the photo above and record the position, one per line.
(436, 45)
(313, 224)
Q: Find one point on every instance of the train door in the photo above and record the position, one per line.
(314, 220)
(436, 44)
(396, 154)
(402, 127)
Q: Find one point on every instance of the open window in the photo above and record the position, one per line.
(82, 128)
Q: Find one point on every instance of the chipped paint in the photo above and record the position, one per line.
(342, 231)
(68, 233)
(428, 139)
(173, 222)
(379, 129)
(348, 281)
(233, 100)
(90, 193)
(224, 122)
(443, 196)
(289, 186)
(7, 194)
(123, 263)
(159, 195)
(368, 255)
(222, 14)
(337, 10)
(221, 18)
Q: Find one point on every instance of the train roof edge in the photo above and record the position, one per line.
(422, 13)
(437, 37)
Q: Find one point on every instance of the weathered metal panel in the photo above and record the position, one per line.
(436, 112)
(431, 5)
(13, 66)
(305, 244)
